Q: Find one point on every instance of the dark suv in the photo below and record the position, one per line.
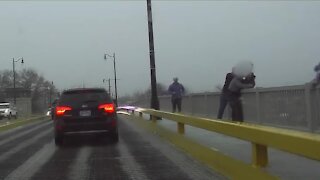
(87, 110)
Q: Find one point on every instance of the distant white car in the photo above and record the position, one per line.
(8, 110)
(48, 113)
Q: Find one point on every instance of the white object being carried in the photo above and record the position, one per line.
(243, 68)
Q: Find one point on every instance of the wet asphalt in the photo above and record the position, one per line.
(29, 152)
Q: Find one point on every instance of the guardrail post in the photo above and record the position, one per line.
(153, 118)
(180, 128)
(259, 155)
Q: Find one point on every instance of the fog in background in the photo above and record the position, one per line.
(198, 42)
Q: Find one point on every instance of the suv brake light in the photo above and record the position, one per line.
(60, 110)
(108, 108)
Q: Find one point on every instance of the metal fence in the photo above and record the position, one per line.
(295, 107)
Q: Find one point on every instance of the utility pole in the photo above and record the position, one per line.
(115, 75)
(115, 78)
(154, 96)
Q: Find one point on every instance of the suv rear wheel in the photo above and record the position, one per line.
(114, 137)
(58, 140)
(10, 115)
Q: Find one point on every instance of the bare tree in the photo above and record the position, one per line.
(29, 79)
(6, 79)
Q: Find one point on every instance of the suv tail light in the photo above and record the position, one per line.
(60, 110)
(108, 108)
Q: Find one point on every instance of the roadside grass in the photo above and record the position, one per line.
(6, 124)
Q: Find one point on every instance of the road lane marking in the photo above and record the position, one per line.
(80, 168)
(18, 135)
(23, 145)
(34, 163)
(129, 164)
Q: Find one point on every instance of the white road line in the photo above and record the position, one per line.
(18, 135)
(80, 168)
(23, 145)
(129, 164)
(33, 164)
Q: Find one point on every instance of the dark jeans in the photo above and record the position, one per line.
(236, 106)
(176, 102)
(223, 105)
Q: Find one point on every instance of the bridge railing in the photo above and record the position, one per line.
(261, 137)
(294, 107)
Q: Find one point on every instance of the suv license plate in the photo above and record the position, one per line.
(85, 113)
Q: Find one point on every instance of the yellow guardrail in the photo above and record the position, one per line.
(261, 137)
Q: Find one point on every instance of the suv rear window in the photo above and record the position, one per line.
(78, 97)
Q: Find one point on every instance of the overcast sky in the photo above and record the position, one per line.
(196, 41)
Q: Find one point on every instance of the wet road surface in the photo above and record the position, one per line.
(29, 153)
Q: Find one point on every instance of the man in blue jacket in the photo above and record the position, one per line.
(176, 90)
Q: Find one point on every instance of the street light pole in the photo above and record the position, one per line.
(115, 75)
(154, 95)
(14, 77)
(14, 82)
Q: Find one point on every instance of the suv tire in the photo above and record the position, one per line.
(58, 140)
(114, 137)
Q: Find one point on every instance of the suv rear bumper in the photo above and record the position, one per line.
(85, 127)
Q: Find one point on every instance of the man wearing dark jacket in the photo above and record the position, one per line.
(224, 95)
(176, 90)
(316, 81)
(235, 87)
